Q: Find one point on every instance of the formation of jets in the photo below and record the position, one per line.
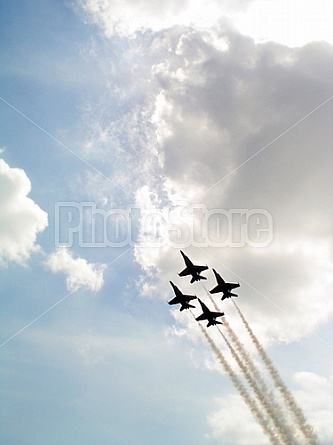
(221, 287)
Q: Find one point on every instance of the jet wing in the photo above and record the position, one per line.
(175, 300)
(204, 308)
(216, 290)
(211, 317)
(190, 266)
(184, 272)
(201, 317)
(218, 277)
(208, 312)
(217, 314)
(175, 289)
(182, 299)
(189, 297)
(199, 269)
(232, 285)
(188, 262)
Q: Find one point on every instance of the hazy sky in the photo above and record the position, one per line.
(131, 130)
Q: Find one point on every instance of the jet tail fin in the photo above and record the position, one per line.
(229, 295)
(212, 323)
(187, 306)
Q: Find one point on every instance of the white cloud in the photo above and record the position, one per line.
(21, 219)
(79, 272)
(225, 423)
(290, 22)
(126, 17)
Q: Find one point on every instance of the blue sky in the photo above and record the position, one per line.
(152, 112)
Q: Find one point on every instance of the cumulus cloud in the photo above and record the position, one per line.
(227, 105)
(283, 180)
(21, 219)
(219, 108)
(79, 272)
(226, 123)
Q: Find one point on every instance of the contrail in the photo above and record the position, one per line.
(296, 411)
(265, 396)
(256, 381)
(251, 403)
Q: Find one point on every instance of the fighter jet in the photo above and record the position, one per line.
(209, 315)
(182, 299)
(223, 287)
(192, 269)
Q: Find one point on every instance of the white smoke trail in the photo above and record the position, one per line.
(296, 411)
(265, 397)
(251, 403)
(257, 383)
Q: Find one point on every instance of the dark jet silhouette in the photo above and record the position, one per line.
(192, 269)
(209, 315)
(182, 299)
(223, 287)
